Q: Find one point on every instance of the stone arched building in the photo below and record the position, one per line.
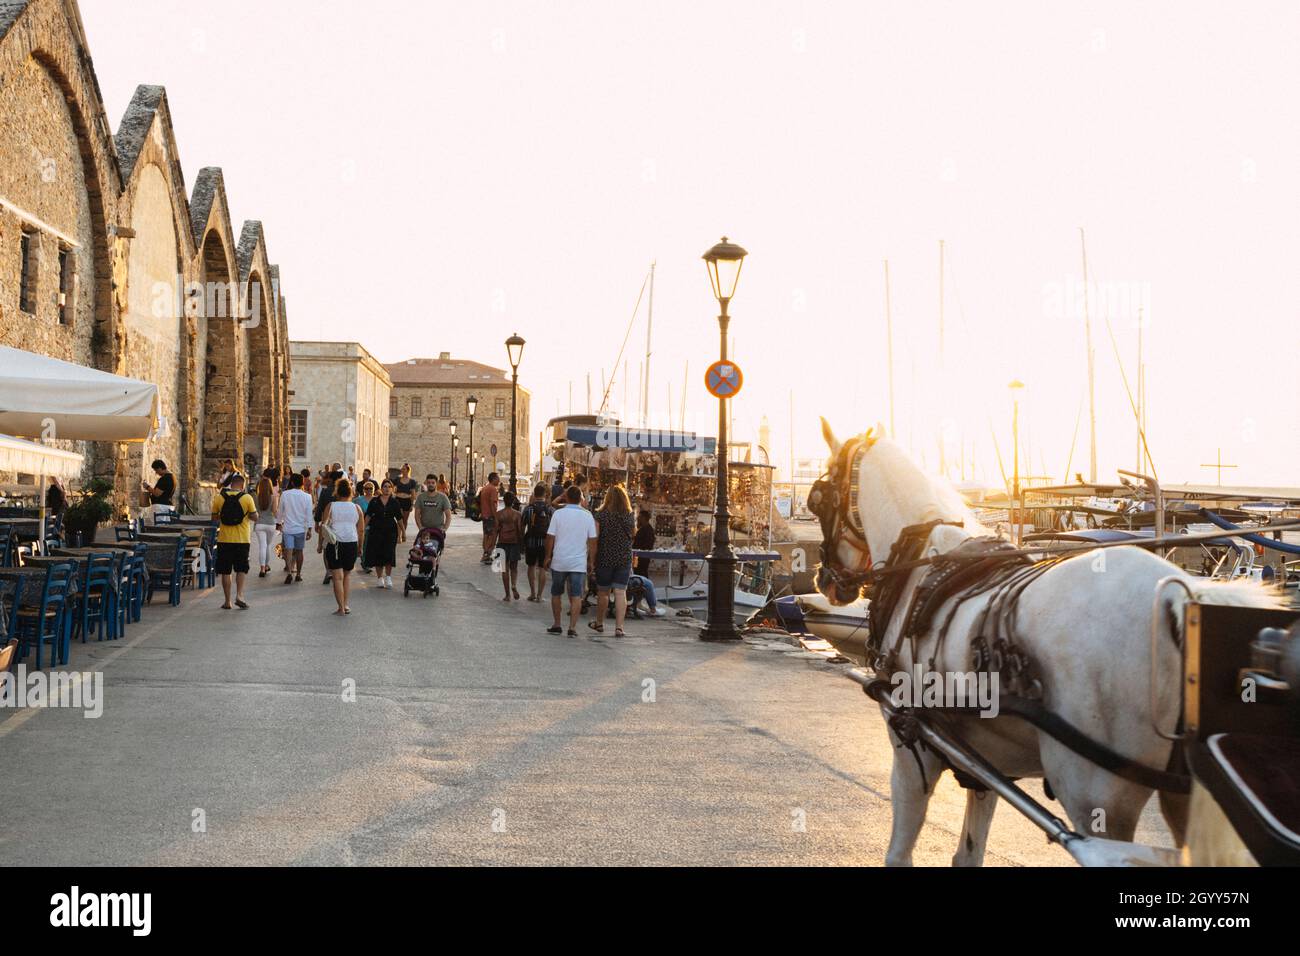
(105, 261)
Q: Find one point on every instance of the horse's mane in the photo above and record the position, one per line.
(918, 496)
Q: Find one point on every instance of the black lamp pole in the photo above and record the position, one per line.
(721, 624)
(515, 349)
(454, 446)
(472, 405)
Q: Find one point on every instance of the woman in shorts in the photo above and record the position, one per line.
(509, 538)
(614, 527)
(345, 520)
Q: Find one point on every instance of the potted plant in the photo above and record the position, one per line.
(90, 509)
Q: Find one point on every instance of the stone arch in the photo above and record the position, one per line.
(259, 346)
(155, 338)
(215, 302)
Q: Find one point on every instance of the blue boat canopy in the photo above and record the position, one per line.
(641, 439)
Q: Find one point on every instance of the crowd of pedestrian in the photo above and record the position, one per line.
(576, 552)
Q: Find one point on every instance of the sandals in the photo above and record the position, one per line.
(596, 627)
(555, 630)
(618, 632)
(572, 633)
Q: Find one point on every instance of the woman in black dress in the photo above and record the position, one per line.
(383, 517)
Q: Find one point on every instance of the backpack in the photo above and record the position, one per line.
(539, 521)
(232, 509)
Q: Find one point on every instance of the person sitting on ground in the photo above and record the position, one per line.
(570, 554)
(235, 510)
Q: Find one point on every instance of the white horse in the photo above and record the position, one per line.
(1085, 623)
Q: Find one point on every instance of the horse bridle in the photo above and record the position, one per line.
(834, 500)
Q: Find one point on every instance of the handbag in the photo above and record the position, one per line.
(326, 530)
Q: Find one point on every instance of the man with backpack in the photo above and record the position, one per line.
(234, 510)
(536, 521)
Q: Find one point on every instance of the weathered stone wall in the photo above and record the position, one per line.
(117, 205)
(344, 393)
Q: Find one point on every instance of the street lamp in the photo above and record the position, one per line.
(724, 261)
(471, 404)
(515, 350)
(452, 426)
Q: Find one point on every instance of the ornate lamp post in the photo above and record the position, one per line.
(515, 350)
(724, 261)
(452, 426)
(471, 404)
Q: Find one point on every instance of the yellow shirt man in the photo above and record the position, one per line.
(241, 533)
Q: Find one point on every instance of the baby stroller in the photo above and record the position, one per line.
(422, 562)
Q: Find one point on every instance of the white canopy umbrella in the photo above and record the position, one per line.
(42, 397)
(32, 458)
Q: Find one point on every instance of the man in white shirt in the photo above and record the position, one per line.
(295, 527)
(570, 554)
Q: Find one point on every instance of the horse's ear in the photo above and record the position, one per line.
(829, 435)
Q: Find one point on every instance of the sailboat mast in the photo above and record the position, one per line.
(889, 345)
(943, 459)
(649, 325)
(1092, 383)
(1139, 394)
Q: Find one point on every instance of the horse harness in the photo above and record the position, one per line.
(978, 566)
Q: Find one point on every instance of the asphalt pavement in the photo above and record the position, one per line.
(453, 730)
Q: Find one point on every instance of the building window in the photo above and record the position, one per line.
(392, 406)
(444, 408)
(298, 432)
(417, 408)
(501, 408)
(67, 285)
(27, 274)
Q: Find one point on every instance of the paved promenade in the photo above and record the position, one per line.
(473, 737)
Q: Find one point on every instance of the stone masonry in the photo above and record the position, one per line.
(105, 261)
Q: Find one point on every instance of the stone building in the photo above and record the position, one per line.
(338, 409)
(105, 261)
(430, 394)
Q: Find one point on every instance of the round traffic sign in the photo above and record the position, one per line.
(723, 379)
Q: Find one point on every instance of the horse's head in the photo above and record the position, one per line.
(845, 556)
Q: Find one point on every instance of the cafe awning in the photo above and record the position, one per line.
(31, 458)
(42, 397)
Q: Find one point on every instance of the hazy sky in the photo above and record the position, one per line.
(435, 176)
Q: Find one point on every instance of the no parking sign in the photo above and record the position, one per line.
(723, 379)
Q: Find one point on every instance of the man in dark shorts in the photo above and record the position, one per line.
(487, 508)
(536, 521)
(404, 490)
(234, 511)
